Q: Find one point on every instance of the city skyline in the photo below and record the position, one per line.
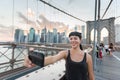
(25, 14)
(45, 36)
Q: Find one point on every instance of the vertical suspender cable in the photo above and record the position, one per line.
(27, 12)
(94, 50)
(13, 19)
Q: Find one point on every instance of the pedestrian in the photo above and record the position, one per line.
(111, 48)
(102, 50)
(106, 48)
(97, 51)
(100, 54)
(78, 63)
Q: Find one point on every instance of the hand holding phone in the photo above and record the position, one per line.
(37, 58)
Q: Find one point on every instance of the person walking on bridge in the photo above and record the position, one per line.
(78, 65)
(111, 48)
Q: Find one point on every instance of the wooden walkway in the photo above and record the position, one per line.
(108, 68)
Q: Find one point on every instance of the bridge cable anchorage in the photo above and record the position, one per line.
(107, 9)
(62, 11)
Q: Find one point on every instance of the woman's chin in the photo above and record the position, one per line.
(74, 47)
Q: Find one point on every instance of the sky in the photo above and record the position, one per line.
(33, 13)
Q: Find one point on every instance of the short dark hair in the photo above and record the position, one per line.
(76, 34)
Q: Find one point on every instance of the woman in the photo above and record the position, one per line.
(111, 48)
(78, 64)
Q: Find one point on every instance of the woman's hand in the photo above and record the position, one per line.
(28, 63)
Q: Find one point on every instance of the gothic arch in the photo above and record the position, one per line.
(107, 23)
(92, 35)
(104, 33)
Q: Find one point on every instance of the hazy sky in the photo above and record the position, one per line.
(39, 15)
(84, 9)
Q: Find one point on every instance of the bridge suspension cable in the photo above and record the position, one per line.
(62, 11)
(107, 9)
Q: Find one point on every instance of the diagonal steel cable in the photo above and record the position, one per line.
(62, 11)
(107, 9)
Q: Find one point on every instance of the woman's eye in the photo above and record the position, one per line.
(75, 38)
(70, 38)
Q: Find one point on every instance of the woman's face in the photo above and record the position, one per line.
(74, 41)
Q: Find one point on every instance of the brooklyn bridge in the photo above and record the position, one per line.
(48, 35)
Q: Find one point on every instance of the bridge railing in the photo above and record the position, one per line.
(12, 54)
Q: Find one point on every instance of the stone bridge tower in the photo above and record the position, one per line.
(105, 23)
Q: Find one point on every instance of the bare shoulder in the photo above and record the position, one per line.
(63, 53)
(88, 57)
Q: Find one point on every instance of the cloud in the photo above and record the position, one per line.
(5, 29)
(6, 33)
(43, 22)
(25, 20)
(60, 26)
(31, 23)
(30, 13)
(3, 26)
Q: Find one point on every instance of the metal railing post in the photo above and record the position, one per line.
(12, 61)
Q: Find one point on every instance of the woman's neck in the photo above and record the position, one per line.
(76, 50)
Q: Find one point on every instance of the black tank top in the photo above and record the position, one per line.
(76, 70)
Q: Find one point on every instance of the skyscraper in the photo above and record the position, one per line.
(50, 37)
(83, 31)
(19, 35)
(83, 34)
(44, 35)
(31, 36)
(16, 36)
(75, 28)
(55, 35)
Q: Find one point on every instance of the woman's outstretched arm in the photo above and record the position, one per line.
(48, 59)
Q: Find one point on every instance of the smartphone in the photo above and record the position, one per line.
(37, 58)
